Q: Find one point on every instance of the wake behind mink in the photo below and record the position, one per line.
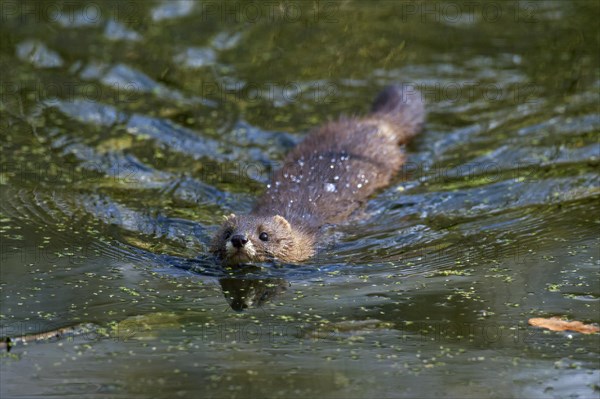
(323, 180)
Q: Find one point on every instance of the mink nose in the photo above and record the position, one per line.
(239, 241)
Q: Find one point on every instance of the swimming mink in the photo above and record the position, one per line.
(323, 180)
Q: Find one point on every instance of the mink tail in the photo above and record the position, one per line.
(403, 107)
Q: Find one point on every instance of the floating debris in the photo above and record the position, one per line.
(558, 324)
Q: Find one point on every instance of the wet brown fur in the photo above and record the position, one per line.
(324, 179)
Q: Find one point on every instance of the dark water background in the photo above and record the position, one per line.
(130, 128)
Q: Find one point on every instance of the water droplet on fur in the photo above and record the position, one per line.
(330, 187)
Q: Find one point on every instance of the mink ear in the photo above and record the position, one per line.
(281, 220)
(231, 216)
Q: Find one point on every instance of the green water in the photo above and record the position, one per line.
(130, 128)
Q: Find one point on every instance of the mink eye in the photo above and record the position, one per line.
(264, 236)
(227, 234)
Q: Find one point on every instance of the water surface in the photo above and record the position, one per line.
(129, 129)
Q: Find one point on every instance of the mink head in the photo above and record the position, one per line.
(251, 239)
